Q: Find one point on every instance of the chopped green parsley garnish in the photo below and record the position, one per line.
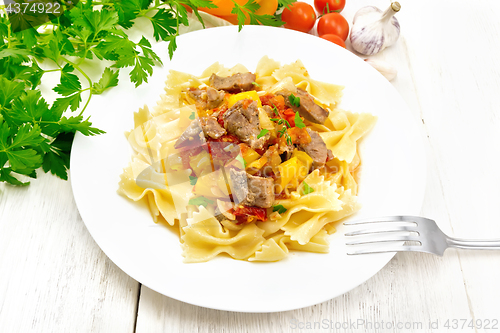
(298, 121)
(193, 180)
(307, 189)
(279, 208)
(242, 160)
(200, 201)
(262, 133)
(294, 100)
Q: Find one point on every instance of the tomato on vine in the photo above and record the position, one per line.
(299, 16)
(335, 24)
(328, 6)
(334, 39)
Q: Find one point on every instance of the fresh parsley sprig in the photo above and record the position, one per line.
(34, 133)
(286, 125)
(248, 10)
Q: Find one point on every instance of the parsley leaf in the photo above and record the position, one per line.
(164, 24)
(29, 107)
(307, 189)
(294, 100)
(9, 90)
(73, 124)
(69, 85)
(129, 10)
(200, 201)
(28, 37)
(125, 52)
(241, 160)
(193, 180)
(262, 133)
(62, 103)
(192, 116)
(285, 3)
(18, 148)
(172, 46)
(298, 121)
(27, 136)
(279, 208)
(108, 79)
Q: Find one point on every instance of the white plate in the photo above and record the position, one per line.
(392, 179)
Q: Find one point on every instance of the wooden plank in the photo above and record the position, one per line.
(54, 278)
(458, 88)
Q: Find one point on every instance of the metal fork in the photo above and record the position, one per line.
(383, 234)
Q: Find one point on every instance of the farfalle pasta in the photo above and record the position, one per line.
(251, 165)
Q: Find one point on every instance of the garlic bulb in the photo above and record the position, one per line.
(384, 68)
(373, 30)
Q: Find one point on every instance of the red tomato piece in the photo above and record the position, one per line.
(246, 214)
(273, 101)
(221, 111)
(289, 115)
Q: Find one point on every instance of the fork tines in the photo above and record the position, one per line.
(383, 219)
(388, 232)
(385, 248)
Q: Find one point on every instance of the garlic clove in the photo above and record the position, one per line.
(373, 30)
(384, 68)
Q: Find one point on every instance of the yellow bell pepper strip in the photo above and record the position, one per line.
(249, 155)
(306, 160)
(288, 170)
(244, 95)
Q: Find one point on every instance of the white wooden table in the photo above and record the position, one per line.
(54, 278)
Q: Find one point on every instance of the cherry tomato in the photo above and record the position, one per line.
(328, 6)
(300, 17)
(333, 23)
(334, 39)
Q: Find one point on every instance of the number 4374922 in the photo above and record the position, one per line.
(33, 8)
(486, 324)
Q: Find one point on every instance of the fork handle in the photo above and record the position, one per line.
(493, 244)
